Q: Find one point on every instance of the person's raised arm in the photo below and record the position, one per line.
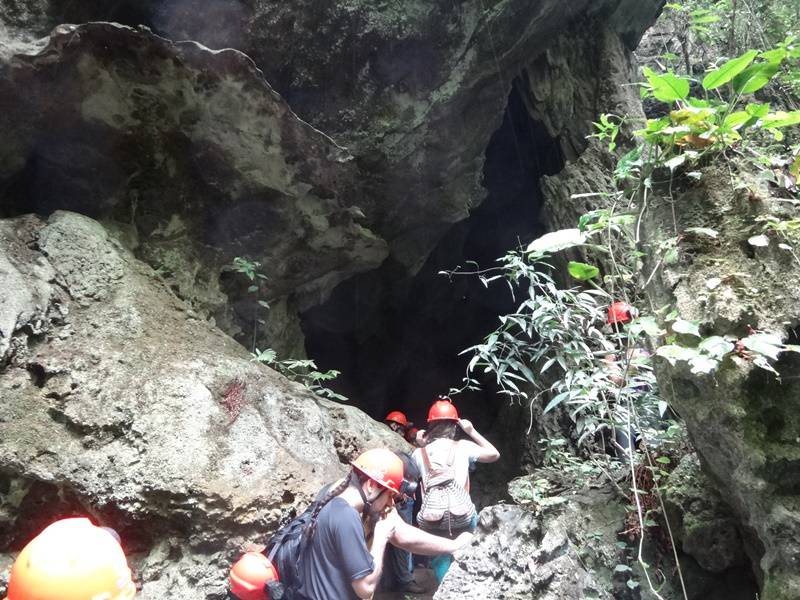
(487, 453)
(410, 538)
(364, 587)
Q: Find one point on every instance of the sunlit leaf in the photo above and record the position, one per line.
(557, 240)
(646, 325)
(712, 233)
(728, 71)
(667, 87)
(702, 365)
(673, 353)
(758, 241)
(582, 271)
(754, 77)
(686, 327)
(782, 119)
(768, 344)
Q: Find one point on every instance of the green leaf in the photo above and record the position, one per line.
(702, 365)
(712, 233)
(735, 120)
(667, 87)
(673, 353)
(556, 401)
(754, 77)
(621, 569)
(252, 288)
(728, 71)
(758, 110)
(768, 344)
(782, 119)
(774, 56)
(715, 346)
(582, 271)
(263, 303)
(686, 327)
(675, 162)
(664, 460)
(556, 240)
(645, 325)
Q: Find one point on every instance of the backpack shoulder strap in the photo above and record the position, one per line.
(426, 460)
(452, 456)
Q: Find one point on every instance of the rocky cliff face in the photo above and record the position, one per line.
(119, 402)
(742, 419)
(414, 91)
(120, 397)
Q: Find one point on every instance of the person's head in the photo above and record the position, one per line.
(619, 314)
(397, 421)
(380, 475)
(442, 421)
(71, 559)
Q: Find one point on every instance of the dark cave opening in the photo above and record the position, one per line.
(397, 339)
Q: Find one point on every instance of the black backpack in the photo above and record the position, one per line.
(285, 551)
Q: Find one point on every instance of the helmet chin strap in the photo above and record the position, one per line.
(367, 504)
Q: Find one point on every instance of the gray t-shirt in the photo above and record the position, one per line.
(338, 554)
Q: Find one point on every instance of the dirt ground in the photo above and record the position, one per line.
(424, 577)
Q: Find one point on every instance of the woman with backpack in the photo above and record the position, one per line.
(444, 462)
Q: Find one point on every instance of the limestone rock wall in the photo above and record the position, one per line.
(119, 402)
(742, 420)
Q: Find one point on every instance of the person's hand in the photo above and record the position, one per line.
(461, 542)
(385, 526)
(420, 441)
(463, 539)
(467, 426)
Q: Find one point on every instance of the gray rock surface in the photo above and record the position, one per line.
(742, 420)
(174, 137)
(119, 402)
(565, 550)
(192, 148)
(702, 523)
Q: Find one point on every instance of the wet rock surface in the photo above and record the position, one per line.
(119, 402)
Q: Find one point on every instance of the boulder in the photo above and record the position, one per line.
(121, 403)
(543, 548)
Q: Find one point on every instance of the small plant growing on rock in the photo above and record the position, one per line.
(303, 371)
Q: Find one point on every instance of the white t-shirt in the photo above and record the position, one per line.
(439, 453)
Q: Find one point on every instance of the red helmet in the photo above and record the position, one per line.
(382, 466)
(249, 576)
(397, 417)
(619, 312)
(442, 410)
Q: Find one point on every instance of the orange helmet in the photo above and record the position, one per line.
(397, 417)
(249, 576)
(619, 312)
(71, 560)
(442, 410)
(383, 467)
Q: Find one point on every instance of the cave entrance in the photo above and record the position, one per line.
(396, 339)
